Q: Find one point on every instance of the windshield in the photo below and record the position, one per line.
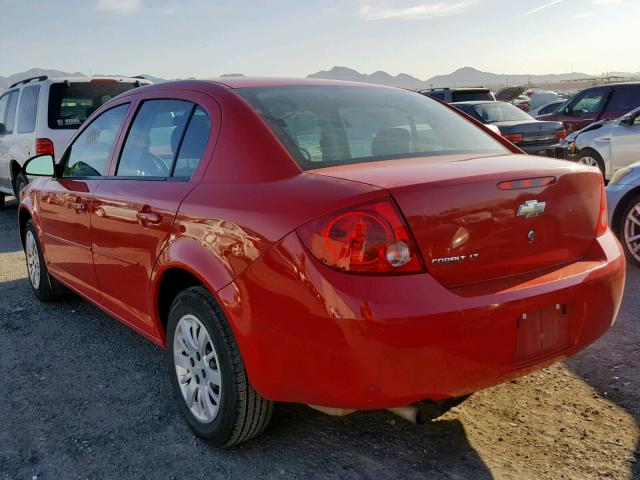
(499, 112)
(333, 125)
(71, 103)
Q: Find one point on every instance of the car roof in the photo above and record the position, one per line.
(478, 102)
(252, 82)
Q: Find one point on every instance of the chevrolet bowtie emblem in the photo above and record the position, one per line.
(532, 208)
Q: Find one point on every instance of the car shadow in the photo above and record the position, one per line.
(107, 405)
(611, 364)
(9, 239)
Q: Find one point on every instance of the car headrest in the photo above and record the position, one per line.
(391, 141)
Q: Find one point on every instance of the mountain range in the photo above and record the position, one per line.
(466, 76)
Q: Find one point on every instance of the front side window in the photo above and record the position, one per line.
(332, 125)
(88, 155)
(28, 108)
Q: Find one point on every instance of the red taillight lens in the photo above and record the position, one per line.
(371, 238)
(44, 146)
(562, 134)
(603, 215)
(514, 137)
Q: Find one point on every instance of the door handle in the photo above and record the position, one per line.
(149, 218)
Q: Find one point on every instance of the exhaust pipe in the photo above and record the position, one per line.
(413, 413)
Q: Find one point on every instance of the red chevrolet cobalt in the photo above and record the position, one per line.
(340, 245)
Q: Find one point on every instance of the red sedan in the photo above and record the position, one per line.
(340, 245)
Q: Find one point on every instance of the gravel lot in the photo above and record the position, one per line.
(84, 397)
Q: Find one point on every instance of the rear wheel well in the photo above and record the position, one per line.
(23, 217)
(616, 218)
(173, 281)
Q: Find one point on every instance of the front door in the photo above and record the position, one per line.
(624, 144)
(585, 108)
(134, 208)
(66, 202)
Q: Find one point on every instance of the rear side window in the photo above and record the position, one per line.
(71, 103)
(89, 153)
(193, 144)
(438, 95)
(624, 99)
(28, 109)
(167, 138)
(10, 113)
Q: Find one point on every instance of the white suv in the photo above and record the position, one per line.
(39, 115)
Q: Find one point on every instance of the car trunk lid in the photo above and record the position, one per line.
(481, 218)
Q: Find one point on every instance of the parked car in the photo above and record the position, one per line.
(540, 98)
(338, 245)
(39, 115)
(608, 145)
(546, 108)
(533, 136)
(606, 102)
(449, 95)
(623, 197)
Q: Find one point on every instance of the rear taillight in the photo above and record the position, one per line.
(514, 137)
(603, 220)
(44, 146)
(562, 134)
(371, 238)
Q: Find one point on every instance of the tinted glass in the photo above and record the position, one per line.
(499, 112)
(10, 114)
(89, 153)
(154, 137)
(471, 96)
(550, 108)
(438, 95)
(70, 104)
(327, 125)
(4, 102)
(193, 144)
(28, 108)
(624, 99)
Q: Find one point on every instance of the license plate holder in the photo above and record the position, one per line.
(543, 333)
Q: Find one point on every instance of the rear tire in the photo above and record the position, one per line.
(629, 229)
(590, 157)
(45, 288)
(2, 201)
(208, 374)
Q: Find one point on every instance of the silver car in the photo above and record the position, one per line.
(608, 145)
(623, 199)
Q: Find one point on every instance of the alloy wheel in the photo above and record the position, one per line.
(590, 161)
(632, 231)
(33, 260)
(197, 368)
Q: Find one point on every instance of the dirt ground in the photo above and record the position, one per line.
(82, 396)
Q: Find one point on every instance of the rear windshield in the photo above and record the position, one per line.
(498, 112)
(71, 103)
(334, 125)
(472, 96)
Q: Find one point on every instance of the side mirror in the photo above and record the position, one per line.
(40, 166)
(628, 120)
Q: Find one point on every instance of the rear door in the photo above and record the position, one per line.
(625, 144)
(8, 109)
(65, 203)
(160, 162)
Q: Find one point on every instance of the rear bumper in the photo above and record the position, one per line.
(309, 334)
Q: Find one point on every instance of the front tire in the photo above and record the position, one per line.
(629, 232)
(590, 157)
(208, 374)
(45, 288)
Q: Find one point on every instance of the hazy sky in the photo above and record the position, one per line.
(298, 37)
